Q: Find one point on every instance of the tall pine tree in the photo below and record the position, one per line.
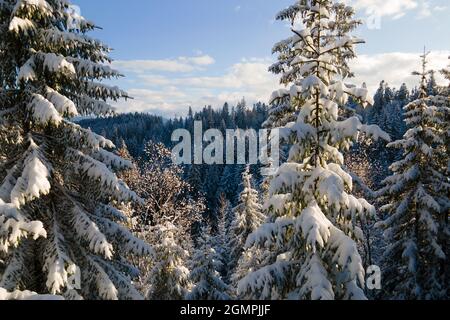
(312, 229)
(208, 284)
(168, 278)
(60, 229)
(248, 217)
(416, 197)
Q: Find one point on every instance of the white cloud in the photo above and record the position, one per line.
(395, 68)
(440, 8)
(425, 10)
(394, 8)
(237, 8)
(246, 75)
(171, 95)
(166, 101)
(180, 64)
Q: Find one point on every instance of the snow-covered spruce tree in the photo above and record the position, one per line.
(208, 284)
(60, 231)
(312, 225)
(168, 278)
(416, 198)
(248, 217)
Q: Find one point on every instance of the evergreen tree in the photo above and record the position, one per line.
(374, 111)
(389, 94)
(168, 278)
(402, 99)
(312, 231)
(403, 94)
(229, 182)
(226, 114)
(194, 177)
(61, 231)
(248, 217)
(241, 109)
(385, 110)
(416, 198)
(393, 122)
(208, 285)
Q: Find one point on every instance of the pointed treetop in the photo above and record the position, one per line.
(423, 73)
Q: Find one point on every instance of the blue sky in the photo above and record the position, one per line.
(177, 53)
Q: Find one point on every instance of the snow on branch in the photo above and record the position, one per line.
(88, 230)
(89, 106)
(128, 241)
(26, 295)
(56, 63)
(98, 171)
(313, 279)
(14, 226)
(263, 282)
(271, 233)
(56, 37)
(86, 138)
(26, 72)
(112, 160)
(102, 91)
(346, 254)
(105, 287)
(92, 70)
(124, 286)
(24, 6)
(57, 263)
(34, 180)
(110, 212)
(25, 26)
(62, 104)
(43, 111)
(315, 227)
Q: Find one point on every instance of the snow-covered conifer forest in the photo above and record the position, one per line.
(92, 206)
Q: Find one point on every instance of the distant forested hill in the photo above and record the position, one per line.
(136, 129)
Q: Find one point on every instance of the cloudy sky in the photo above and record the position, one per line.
(180, 53)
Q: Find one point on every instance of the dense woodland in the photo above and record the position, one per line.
(96, 209)
(139, 129)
